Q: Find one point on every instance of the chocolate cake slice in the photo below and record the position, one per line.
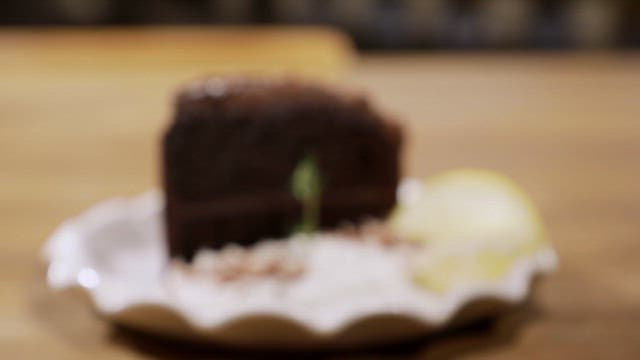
(235, 145)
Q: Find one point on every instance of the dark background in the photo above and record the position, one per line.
(373, 24)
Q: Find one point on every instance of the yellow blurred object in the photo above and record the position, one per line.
(466, 206)
(463, 269)
(474, 224)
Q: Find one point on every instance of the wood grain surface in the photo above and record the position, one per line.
(81, 111)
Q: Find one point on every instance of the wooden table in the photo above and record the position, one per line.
(80, 114)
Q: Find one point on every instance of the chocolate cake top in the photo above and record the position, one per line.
(219, 93)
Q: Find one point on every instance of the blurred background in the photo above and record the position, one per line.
(373, 24)
(544, 91)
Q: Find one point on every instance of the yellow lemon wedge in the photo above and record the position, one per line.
(454, 269)
(474, 223)
(466, 206)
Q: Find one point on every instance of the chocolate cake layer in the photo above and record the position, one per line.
(234, 143)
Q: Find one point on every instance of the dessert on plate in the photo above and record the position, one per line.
(282, 207)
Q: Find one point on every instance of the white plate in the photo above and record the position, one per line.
(351, 292)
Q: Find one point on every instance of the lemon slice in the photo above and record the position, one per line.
(474, 224)
(466, 206)
(461, 269)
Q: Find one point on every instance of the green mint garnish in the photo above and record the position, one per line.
(306, 187)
